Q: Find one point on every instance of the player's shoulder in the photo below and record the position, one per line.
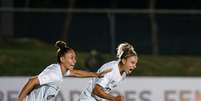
(52, 68)
(109, 65)
(53, 65)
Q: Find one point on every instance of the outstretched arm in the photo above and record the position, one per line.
(98, 91)
(28, 88)
(81, 73)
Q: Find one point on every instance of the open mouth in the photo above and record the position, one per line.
(129, 71)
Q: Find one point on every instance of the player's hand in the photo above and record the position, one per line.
(120, 98)
(101, 74)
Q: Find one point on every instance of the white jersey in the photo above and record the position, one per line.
(109, 81)
(50, 79)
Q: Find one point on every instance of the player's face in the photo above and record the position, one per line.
(130, 64)
(69, 59)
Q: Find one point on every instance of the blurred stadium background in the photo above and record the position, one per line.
(165, 34)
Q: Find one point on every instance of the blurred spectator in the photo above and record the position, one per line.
(94, 61)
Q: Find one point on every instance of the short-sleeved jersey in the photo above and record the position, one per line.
(50, 79)
(109, 81)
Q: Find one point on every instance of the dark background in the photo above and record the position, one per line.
(177, 33)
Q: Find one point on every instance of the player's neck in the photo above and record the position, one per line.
(63, 69)
(120, 68)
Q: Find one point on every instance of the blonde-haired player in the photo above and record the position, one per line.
(46, 85)
(99, 88)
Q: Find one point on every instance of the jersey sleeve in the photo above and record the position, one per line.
(104, 81)
(47, 77)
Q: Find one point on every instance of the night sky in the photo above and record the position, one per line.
(177, 33)
(123, 4)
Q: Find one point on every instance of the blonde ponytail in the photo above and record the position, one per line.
(125, 47)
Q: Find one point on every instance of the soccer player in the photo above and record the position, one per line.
(99, 88)
(46, 85)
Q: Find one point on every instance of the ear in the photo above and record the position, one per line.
(62, 59)
(123, 61)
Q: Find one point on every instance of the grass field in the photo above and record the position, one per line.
(31, 57)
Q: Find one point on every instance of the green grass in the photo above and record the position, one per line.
(30, 58)
(24, 62)
(169, 66)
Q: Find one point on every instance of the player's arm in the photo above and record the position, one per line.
(81, 73)
(98, 91)
(28, 88)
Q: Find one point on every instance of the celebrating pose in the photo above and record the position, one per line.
(45, 86)
(99, 88)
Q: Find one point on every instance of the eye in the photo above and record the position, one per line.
(133, 62)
